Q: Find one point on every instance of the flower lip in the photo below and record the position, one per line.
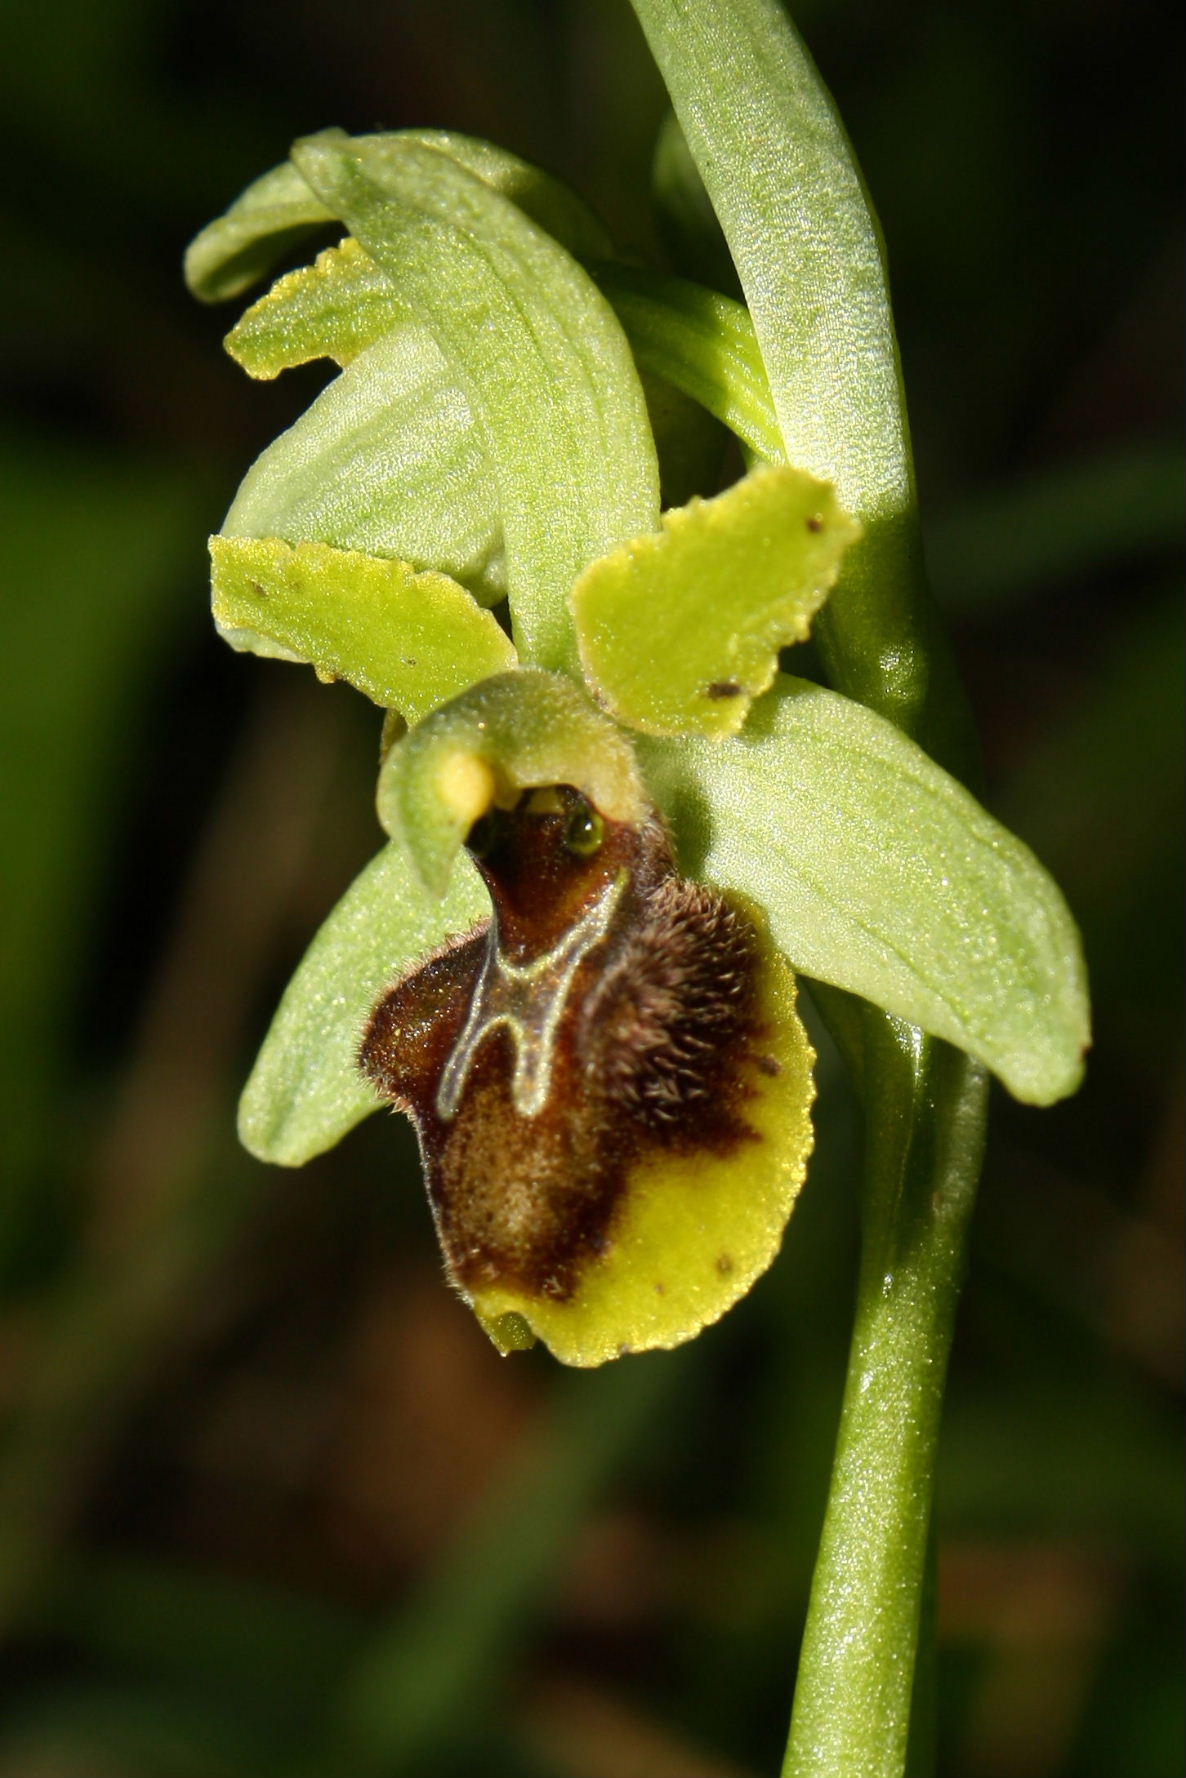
(608, 1083)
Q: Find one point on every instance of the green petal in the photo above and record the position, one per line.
(230, 255)
(305, 1091)
(509, 734)
(680, 631)
(409, 641)
(537, 351)
(879, 873)
(334, 308)
(388, 461)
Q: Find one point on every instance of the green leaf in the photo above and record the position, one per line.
(879, 873)
(388, 461)
(703, 344)
(679, 631)
(232, 253)
(305, 1091)
(537, 351)
(509, 734)
(409, 641)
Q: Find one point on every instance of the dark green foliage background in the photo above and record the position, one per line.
(268, 1504)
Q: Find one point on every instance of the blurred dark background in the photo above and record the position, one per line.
(269, 1504)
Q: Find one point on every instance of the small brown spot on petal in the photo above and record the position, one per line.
(815, 523)
(769, 1065)
(660, 1290)
(723, 688)
(725, 1264)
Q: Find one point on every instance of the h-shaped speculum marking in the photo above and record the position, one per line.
(529, 1000)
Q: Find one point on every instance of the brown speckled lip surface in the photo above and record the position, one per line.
(656, 1038)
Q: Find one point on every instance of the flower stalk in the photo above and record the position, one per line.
(925, 1107)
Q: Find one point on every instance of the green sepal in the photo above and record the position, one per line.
(408, 640)
(548, 201)
(305, 1091)
(687, 221)
(879, 873)
(388, 461)
(512, 733)
(279, 210)
(542, 361)
(679, 631)
(343, 302)
(237, 249)
(701, 343)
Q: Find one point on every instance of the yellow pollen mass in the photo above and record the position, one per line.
(465, 784)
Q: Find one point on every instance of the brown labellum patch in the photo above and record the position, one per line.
(608, 1014)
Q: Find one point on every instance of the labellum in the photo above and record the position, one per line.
(609, 1082)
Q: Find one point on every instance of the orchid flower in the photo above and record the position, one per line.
(596, 1037)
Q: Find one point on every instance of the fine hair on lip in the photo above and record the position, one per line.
(607, 1013)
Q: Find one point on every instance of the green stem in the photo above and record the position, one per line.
(925, 1105)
